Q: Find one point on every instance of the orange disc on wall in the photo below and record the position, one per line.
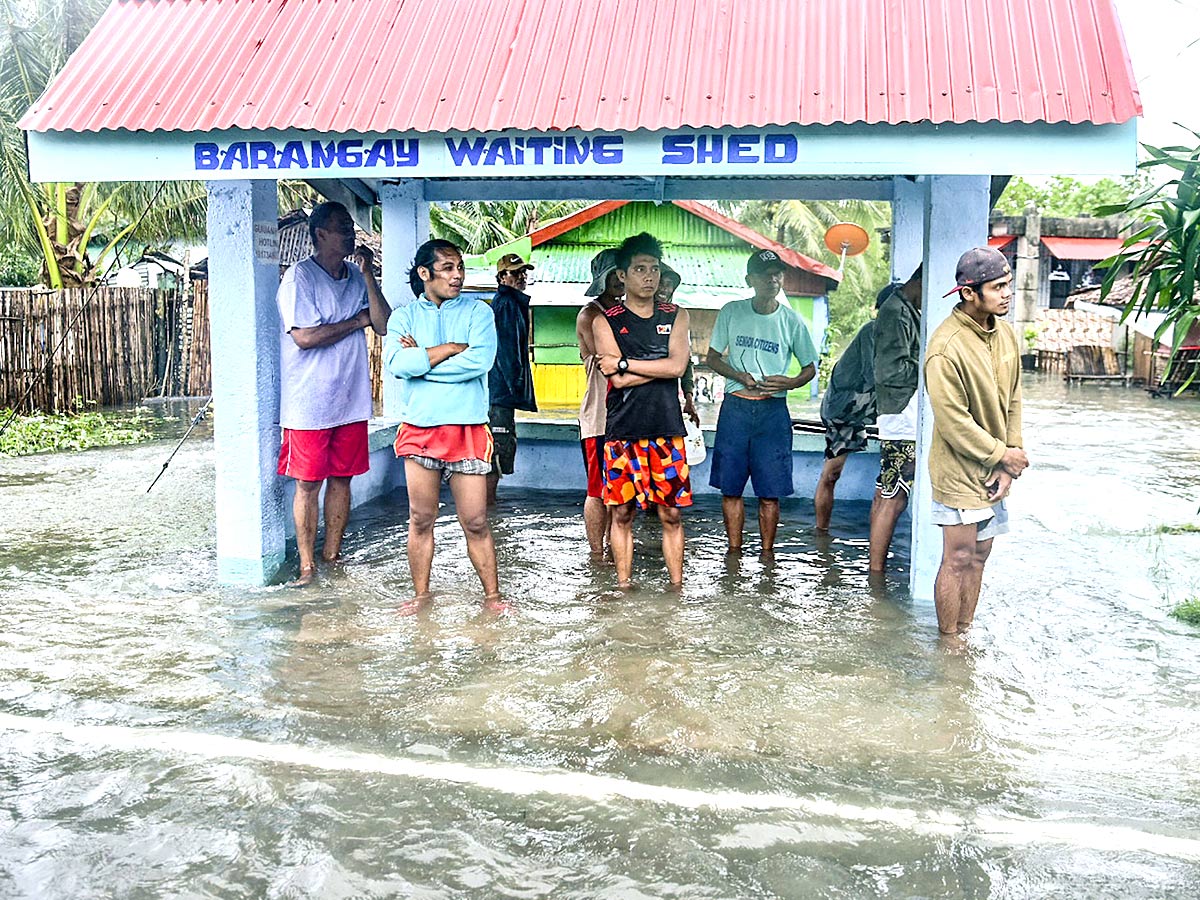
(847, 238)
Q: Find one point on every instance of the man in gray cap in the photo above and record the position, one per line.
(607, 290)
(973, 374)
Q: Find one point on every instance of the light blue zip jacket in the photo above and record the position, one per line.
(455, 392)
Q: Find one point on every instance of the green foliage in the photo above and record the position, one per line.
(1164, 245)
(55, 223)
(1188, 612)
(478, 226)
(1031, 336)
(80, 430)
(1067, 197)
(1186, 528)
(17, 268)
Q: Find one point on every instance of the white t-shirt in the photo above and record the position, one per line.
(901, 426)
(326, 386)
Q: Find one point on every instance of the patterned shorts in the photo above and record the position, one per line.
(897, 466)
(842, 438)
(650, 470)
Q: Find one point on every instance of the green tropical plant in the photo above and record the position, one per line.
(1164, 245)
(479, 226)
(57, 223)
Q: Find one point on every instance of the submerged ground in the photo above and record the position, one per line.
(782, 731)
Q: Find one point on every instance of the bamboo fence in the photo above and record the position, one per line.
(60, 348)
(120, 346)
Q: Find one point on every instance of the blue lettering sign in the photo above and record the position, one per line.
(780, 148)
(741, 148)
(678, 149)
(206, 157)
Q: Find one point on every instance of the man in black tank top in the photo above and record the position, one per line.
(642, 346)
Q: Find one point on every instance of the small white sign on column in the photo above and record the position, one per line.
(266, 243)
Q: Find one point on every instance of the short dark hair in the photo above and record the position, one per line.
(426, 256)
(322, 214)
(644, 243)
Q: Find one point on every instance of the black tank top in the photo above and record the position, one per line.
(647, 410)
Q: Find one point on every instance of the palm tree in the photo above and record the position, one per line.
(57, 222)
(479, 226)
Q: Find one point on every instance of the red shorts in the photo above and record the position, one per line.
(445, 443)
(339, 452)
(593, 462)
(650, 470)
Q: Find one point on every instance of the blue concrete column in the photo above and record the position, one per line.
(908, 226)
(955, 220)
(243, 276)
(405, 227)
(820, 330)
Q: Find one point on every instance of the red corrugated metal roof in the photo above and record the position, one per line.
(1083, 248)
(1000, 241)
(549, 232)
(612, 65)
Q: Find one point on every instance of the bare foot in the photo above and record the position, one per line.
(415, 605)
(626, 585)
(496, 604)
(675, 587)
(308, 574)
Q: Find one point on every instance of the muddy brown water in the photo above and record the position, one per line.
(790, 730)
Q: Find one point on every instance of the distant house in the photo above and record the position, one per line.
(154, 270)
(708, 249)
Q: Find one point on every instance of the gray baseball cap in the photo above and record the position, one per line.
(979, 265)
(604, 263)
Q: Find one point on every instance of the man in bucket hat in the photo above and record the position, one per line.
(973, 375)
(510, 383)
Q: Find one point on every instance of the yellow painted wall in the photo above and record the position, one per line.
(559, 385)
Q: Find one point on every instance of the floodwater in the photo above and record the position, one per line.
(775, 731)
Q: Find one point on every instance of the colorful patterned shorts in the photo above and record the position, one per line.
(897, 467)
(651, 470)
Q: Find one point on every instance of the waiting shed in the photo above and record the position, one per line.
(916, 102)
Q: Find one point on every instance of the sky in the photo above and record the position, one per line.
(1163, 38)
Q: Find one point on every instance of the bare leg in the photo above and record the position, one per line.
(621, 541)
(672, 542)
(733, 511)
(424, 486)
(337, 514)
(493, 479)
(595, 518)
(305, 507)
(966, 615)
(885, 512)
(470, 502)
(955, 575)
(768, 523)
(823, 498)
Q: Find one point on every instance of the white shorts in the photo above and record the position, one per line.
(992, 520)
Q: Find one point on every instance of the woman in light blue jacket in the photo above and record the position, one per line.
(441, 347)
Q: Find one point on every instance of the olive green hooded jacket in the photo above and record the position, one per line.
(973, 376)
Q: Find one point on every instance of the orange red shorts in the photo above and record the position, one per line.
(650, 470)
(339, 452)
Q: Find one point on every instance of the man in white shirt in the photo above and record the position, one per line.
(325, 384)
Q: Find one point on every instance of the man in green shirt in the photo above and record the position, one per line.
(753, 344)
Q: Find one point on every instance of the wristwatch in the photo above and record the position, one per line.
(622, 366)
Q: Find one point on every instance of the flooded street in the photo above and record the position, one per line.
(787, 730)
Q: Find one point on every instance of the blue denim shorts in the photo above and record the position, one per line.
(753, 442)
